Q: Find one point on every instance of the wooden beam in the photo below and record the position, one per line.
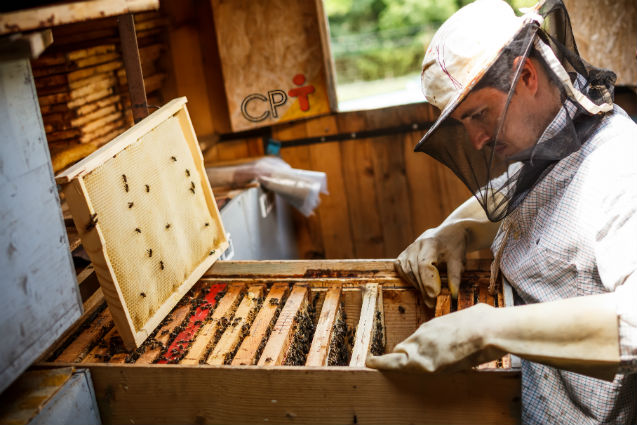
(70, 12)
(248, 350)
(319, 350)
(443, 303)
(240, 326)
(365, 328)
(465, 296)
(222, 314)
(281, 336)
(133, 65)
(81, 345)
(214, 395)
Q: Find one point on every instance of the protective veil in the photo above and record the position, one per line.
(456, 64)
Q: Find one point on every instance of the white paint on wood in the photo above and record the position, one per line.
(40, 296)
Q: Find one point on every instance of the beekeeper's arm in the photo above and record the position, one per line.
(577, 334)
(595, 335)
(466, 229)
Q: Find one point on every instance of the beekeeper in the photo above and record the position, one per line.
(552, 163)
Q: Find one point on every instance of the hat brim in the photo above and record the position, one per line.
(457, 100)
(453, 104)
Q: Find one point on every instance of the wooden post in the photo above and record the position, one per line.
(133, 66)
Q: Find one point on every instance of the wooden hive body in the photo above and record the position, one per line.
(144, 209)
(290, 332)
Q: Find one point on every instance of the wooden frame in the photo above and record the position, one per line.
(81, 207)
(315, 393)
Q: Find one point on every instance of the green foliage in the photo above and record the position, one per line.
(374, 39)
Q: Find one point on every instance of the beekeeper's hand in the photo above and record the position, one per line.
(466, 229)
(578, 334)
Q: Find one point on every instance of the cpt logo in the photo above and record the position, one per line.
(276, 98)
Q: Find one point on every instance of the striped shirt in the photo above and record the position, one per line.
(575, 234)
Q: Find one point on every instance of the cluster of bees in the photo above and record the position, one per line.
(342, 340)
(303, 333)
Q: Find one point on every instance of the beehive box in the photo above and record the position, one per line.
(145, 212)
(286, 342)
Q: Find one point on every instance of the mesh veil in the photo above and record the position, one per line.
(500, 181)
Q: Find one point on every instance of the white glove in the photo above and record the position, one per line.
(466, 229)
(577, 334)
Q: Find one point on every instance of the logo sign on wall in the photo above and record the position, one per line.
(257, 107)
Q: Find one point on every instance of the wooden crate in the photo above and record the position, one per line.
(145, 212)
(288, 340)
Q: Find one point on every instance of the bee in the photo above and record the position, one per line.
(124, 177)
(212, 252)
(92, 222)
(173, 158)
(401, 309)
(150, 252)
(167, 225)
(192, 190)
(147, 188)
(130, 204)
(187, 172)
(143, 294)
(161, 265)
(206, 224)
(192, 184)
(138, 230)
(274, 301)
(126, 187)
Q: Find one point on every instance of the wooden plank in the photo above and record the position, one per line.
(485, 297)
(423, 183)
(66, 13)
(465, 296)
(391, 184)
(365, 328)
(246, 51)
(319, 350)
(82, 344)
(183, 394)
(188, 74)
(238, 328)
(179, 346)
(274, 352)
(308, 229)
(443, 303)
(132, 63)
(221, 315)
(107, 346)
(164, 334)
(248, 350)
(303, 268)
(336, 232)
(358, 177)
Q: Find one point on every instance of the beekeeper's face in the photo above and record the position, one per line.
(525, 118)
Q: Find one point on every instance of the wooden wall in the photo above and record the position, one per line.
(382, 195)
